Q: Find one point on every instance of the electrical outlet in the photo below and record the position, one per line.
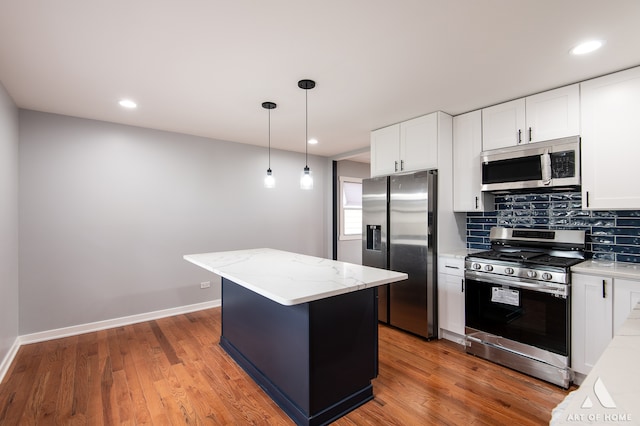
(205, 284)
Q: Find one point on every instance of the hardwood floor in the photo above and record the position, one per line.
(172, 371)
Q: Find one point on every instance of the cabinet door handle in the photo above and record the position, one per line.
(401, 165)
(587, 198)
(519, 136)
(476, 203)
(529, 134)
(396, 166)
(462, 285)
(604, 289)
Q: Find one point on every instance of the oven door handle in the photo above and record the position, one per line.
(561, 290)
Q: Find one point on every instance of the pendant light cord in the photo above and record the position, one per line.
(306, 85)
(306, 128)
(269, 138)
(269, 106)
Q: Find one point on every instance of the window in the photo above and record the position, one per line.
(350, 208)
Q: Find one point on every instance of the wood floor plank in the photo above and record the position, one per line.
(94, 407)
(173, 371)
(140, 412)
(42, 405)
(65, 400)
(86, 344)
(107, 394)
(16, 387)
(208, 403)
(146, 375)
(166, 345)
(149, 354)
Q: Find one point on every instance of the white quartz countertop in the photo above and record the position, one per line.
(608, 268)
(458, 253)
(292, 278)
(455, 254)
(610, 394)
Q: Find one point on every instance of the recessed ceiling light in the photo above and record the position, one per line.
(128, 103)
(313, 141)
(587, 47)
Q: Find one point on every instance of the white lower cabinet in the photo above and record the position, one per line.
(591, 319)
(451, 297)
(599, 306)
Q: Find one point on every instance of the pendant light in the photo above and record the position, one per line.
(306, 180)
(269, 180)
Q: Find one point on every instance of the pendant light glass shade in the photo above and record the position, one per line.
(269, 180)
(306, 180)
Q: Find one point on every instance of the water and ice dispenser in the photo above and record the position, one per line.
(374, 237)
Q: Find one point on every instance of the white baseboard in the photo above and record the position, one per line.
(8, 359)
(451, 336)
(578, 378)
(116, 322)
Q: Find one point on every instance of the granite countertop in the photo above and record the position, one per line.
(608, 268)
(292, 278)
(611, 391)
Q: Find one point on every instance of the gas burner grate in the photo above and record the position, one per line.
(527, 258)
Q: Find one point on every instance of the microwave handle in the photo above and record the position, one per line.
(545, 160)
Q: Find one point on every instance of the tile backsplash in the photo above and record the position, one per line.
(611, 234)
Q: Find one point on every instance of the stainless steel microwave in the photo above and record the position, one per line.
(551, 164)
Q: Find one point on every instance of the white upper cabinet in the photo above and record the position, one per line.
(502, 125)
(408, 146)
(385, 150)
(610, 109)
(467, 172)
(544, 116)
(419, 143)
(553, 114)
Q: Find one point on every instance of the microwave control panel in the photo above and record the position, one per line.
(563, 164)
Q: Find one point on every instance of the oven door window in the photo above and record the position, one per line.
(526, 316)
(512, 170)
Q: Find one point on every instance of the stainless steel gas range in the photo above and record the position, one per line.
(517, 300)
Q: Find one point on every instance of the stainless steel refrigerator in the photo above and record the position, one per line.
(399, 233)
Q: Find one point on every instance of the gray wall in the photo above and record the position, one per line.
(351, 250)
(107, 212)
(8, 223)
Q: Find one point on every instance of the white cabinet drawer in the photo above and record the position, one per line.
(451, 266)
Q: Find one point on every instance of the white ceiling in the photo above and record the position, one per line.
(204, 67)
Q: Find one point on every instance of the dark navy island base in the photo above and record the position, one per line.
(316, 360)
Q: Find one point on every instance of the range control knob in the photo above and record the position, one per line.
(488, 268)
(531, 274)
(508, 271)
(546, 276)
(476, 266)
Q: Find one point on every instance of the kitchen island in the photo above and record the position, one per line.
(304, 328)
